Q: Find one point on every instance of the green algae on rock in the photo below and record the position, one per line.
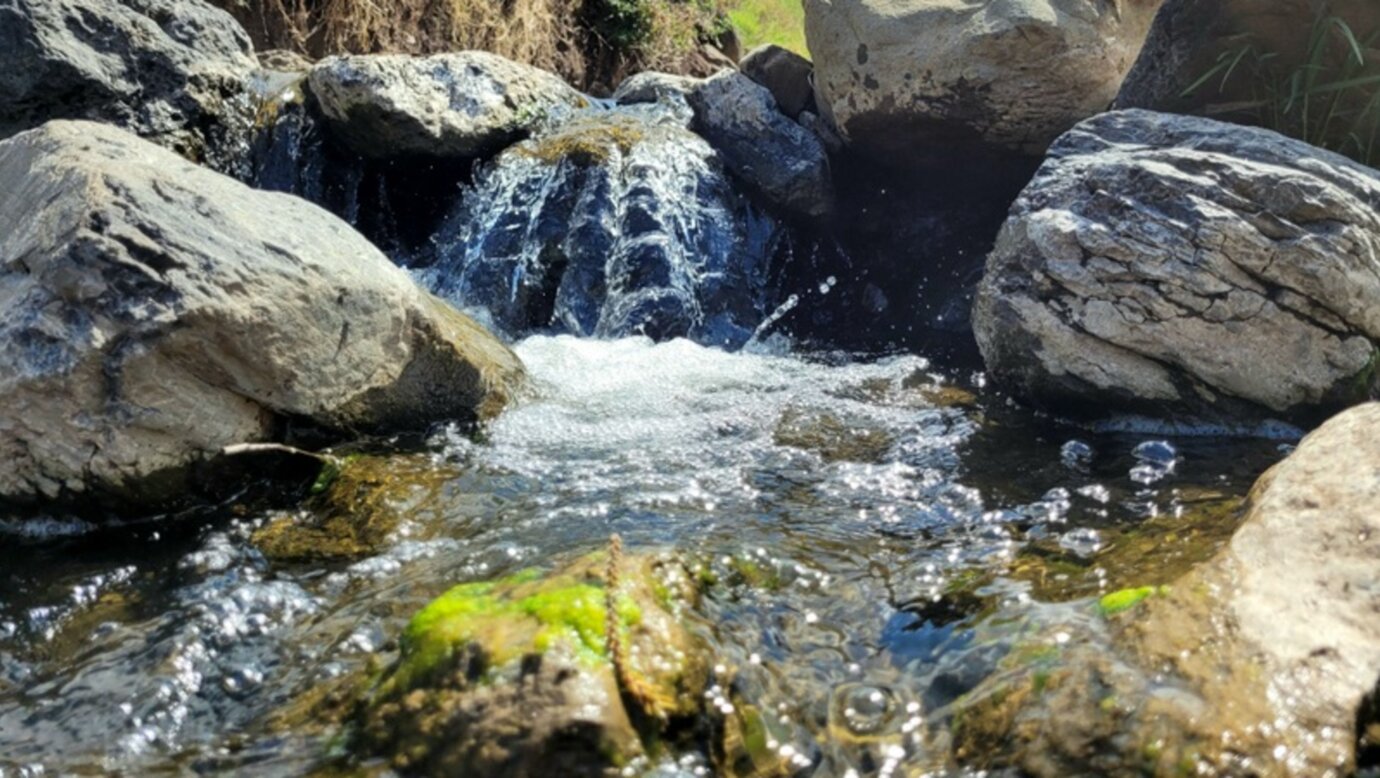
(520, 676)
(1123, 600)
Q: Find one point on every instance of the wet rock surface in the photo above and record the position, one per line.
(521, 676)
(615, 224)
(777, 158)
(467, 104)
(897, 78)
(1256, 663)
(173, 71)
(1175, 265)
(136, 305)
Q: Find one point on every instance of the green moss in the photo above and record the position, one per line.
(585, 144)
(509, 622)
(1126, 599)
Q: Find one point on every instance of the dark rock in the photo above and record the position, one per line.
(785, 74)
(173, 71)
(778, 159)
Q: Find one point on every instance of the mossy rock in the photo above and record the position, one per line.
(356, 505)
(585, 143)
(519, 676)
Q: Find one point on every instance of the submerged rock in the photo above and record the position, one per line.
(1257, 663)
(520, 676)
(173, 71)
(616, 224)
(466, 104)
(781, 161)
(1174, 265)
(153, 312)
(899, 77)
(357, 504)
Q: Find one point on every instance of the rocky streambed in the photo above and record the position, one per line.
(871, 542)
(901, 413)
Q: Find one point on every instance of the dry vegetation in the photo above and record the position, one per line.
(592, 43)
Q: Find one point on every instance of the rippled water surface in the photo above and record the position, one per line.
(865, 516)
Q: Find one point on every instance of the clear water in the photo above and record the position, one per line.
(866, 488)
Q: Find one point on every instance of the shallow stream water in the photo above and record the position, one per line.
(864, 516)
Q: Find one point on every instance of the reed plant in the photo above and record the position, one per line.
(1327, 94)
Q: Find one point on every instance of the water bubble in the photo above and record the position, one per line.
(1156, 459)
(863, 709)
(1076, 455)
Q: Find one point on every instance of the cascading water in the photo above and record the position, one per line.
(620, 222)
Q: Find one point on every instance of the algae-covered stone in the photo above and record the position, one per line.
(357, 503)
(520, 676)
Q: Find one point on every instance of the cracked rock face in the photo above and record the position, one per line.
(898, 75)
(1175, 265)
(461, 105)
(153, 312)
(174, 71)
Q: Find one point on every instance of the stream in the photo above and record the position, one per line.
(877, 527)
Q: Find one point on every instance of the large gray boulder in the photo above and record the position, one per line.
(460, 105)
(897, 76)
(174, 71)
(1177, 265)
(1258, 663)
(776, 157)
(153, 312)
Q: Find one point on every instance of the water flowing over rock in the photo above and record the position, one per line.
(618, 223)
(466, 104)
(1259, 662)
(778, 159)
(155, 312)
(1173, 265)
(898, 77)
(173, 71)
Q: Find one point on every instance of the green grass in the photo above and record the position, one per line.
(1327, 93)
(769, 21)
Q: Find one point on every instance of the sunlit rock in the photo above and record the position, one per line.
(1171, 265)
(899, 76)
(155, 312)
(464, 104)
(175, 72)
